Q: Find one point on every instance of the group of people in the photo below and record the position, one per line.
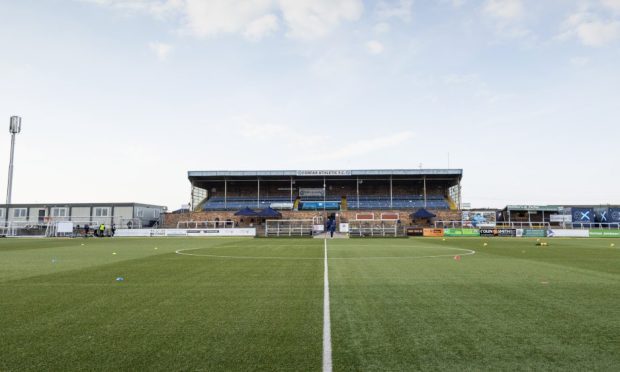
(99, 231)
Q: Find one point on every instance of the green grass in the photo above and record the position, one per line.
(396, 304)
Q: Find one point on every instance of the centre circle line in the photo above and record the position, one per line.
(468, 252)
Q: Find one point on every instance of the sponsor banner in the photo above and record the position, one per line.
(461, 232)
(583, 215)
(323, 172)
(222, 232)
(318, 228)
(531, 233)
(281, 205)
(479, 218)
(535, 233)
(614, 214)
(311, 193)
(344, 227)
(170, 232)
(604, 233)
(185, 232)
(132, 232)
(498, 232)
(415, 231)
(602, 215)
(568, 233)
(319, 205)
(561, 218)
(533, 208)
(433, 233)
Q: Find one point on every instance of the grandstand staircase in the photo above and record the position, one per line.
(451, 203)
(199, 206)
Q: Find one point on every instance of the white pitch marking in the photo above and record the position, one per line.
(468, 252)
(327, 326)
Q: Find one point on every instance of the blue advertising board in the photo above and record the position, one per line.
(582, 216)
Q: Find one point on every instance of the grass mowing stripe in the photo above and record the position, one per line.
(327, 333)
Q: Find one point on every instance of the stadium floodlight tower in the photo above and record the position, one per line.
(14, 128)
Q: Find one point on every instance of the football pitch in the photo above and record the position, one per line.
(238, 304)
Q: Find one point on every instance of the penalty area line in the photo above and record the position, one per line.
(327, 327)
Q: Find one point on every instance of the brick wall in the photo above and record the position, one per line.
(170, 220)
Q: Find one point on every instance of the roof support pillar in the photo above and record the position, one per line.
(258, 192)
(357, 183)
(424, 179)
(391, 194)
(459, 205)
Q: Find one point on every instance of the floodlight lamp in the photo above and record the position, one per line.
(16, 125)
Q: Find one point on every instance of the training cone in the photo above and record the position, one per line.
(113, 253)
(458, 258)
(485, 244)
(612, 245)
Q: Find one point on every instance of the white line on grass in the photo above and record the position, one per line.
(327, 327)
(468, 252)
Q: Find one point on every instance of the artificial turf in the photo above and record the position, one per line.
(257, 304)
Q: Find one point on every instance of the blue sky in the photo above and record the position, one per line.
(120, 98)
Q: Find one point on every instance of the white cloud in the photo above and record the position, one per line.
(598, 33)
(305, 19)
(158, 8)
(504, 9)
(312, 19)
(261, 27)
(374, 47)
(162, 50)
(590, 29)
(400, 9)
(612, 4)
(209, 18)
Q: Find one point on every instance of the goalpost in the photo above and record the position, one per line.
(281, 228)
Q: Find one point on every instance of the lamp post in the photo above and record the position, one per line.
(14, 128)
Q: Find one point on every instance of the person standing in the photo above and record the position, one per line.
(86, 230)
(101, 230)
(113, 229)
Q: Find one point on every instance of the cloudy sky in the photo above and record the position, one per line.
(120, 98)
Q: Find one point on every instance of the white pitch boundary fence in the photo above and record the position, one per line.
(281, 228)
(368, 228)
